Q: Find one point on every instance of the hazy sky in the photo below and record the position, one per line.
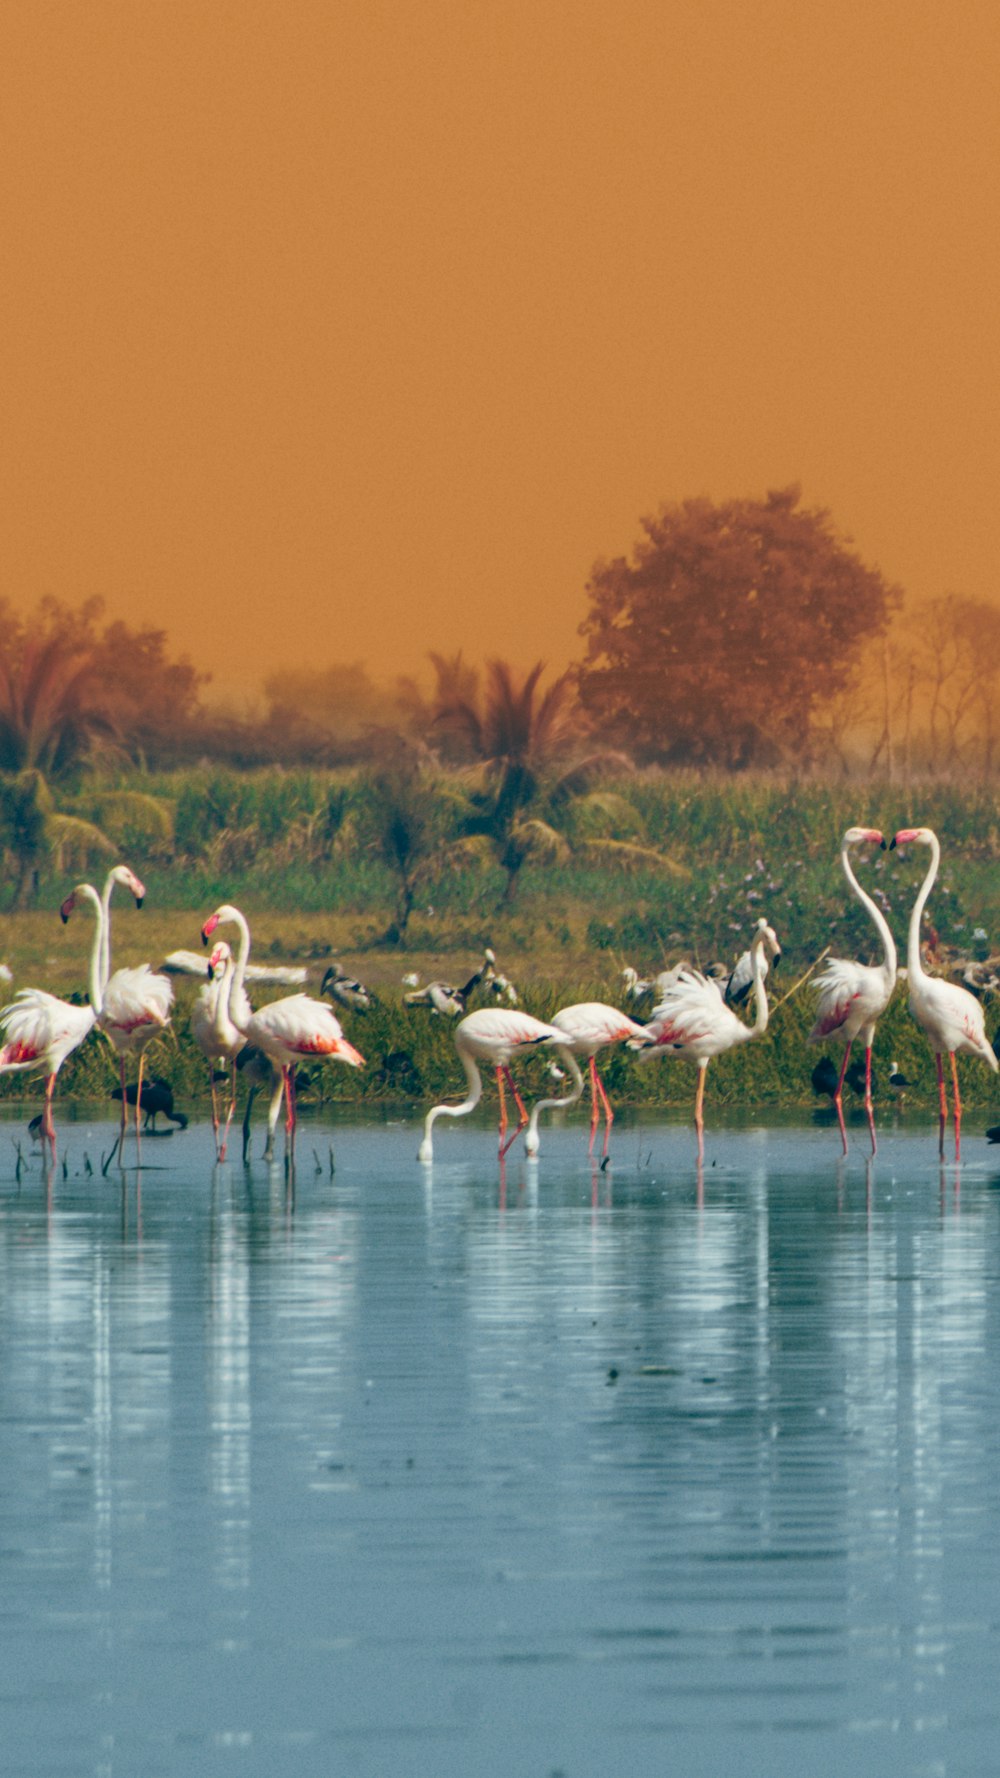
(353, 329)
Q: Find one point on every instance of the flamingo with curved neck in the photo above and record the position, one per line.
(950, 1016)
(289, 1030)
(853, 996)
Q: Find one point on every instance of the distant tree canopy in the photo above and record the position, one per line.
(70, 690)
(714, 643)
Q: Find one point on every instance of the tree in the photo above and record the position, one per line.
(528, 745)
(399, 811)
(714, 643)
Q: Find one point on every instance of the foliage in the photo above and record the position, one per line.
(730, 623)
(399, 816)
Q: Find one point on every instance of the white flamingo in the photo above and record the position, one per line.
(950, 1016)
(853, 996)
(288, 1031)
(588, 1027)
(694, 1021)
(135, 1001)
(40, 1031)
(218, 1038)
(491, 1035)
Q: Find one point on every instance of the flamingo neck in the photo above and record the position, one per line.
(879, 920)
(89, 894)
(468, 1104)
(106, 930)
(570, 1098)
(235, 994)
(223, 1020)
(914, 962)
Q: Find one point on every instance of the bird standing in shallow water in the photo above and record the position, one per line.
(494, 1035)
(853, 996)
(950, 1016)
(588, 1027)
(693, 1020)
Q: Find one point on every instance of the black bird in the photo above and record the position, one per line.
(993, 1135)
(825, 1076)
(897, 1081)
(157, 1101)
(855, 1077)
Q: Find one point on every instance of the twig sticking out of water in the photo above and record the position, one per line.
(105, 1163)
(20, 1161)
(88, 1169)
(333, 1164)
(319, 1165)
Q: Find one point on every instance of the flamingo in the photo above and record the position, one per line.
(41, 1031)
(588, 1027)
(287, 1030)
(217, 1036)
(135, 1002)
(493, 1034)
(694, 1020)
(853, 996)
(950, 1016)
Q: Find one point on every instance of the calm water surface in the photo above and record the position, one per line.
(414, 1472)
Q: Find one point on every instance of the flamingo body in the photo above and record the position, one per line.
(853, 996)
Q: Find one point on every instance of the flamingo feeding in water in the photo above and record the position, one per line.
(852, 996)
(494, 1035)
(41, 1030)
(694, 1020)
(950, 1016)
(288, 1031)
(588, 1027)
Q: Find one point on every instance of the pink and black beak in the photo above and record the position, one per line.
(67, 907)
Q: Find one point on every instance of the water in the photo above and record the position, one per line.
(408, 1473)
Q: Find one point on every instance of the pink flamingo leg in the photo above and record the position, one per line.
(594, 1108)
(958, 1106)
(48, 1126)
(138, 1100)
(522, 1115)
(215, 1105)
(229, 1114)
(503, 1113)
(699, 1121)
(868, 1098)
(121, 1070)
(609, 1116)
(838, 1097)
(942, 1104)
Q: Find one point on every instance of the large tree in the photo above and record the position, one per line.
(730, 622)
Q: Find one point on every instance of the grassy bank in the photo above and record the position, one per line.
(280, 845)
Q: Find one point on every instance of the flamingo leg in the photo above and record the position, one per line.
(699, 1121)
(251, 1096)
(942, 1103)
(138, 1098)
(215, 1105)
(503, 1112)
(958, 1106)
(594, 1108)
(273, 1112)
(868, 1097)
(838, 1097)
(229, 1113)
(48, 1126)
(121, 1071)
(522, 1115)
(609, 1116)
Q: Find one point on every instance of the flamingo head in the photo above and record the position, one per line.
(907, 836)
(864, 836)
(122, 874)
(221, 955)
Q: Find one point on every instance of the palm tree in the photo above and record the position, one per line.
(528, 743)
(54, 701)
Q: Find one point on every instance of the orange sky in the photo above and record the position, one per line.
(348, 329)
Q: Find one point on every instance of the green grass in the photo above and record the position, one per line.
(284, 847)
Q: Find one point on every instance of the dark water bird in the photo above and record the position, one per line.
(450, 1001)
(157, 1100)
(855, 1078)
(345, 990)
(897, 1081)
(826, 1077)
(993, 1134)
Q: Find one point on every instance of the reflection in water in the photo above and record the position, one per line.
(445, 1471)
